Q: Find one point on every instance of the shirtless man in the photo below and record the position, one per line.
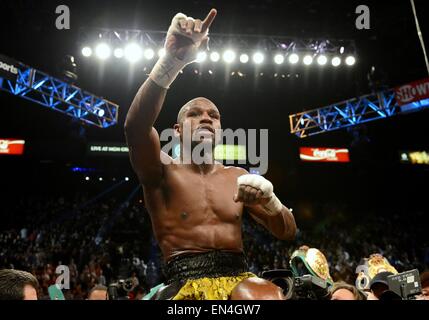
(196, 210)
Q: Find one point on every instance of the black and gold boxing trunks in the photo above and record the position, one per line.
(203, 276)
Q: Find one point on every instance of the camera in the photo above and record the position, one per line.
(406, 284)
(402, 286)
(119, 290)
(304, 287)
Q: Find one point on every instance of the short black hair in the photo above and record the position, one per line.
(12, 283)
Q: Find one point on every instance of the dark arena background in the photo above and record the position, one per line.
(344, 98)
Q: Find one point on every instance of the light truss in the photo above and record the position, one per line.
(352, 112)
(282, 44)
(39, 87)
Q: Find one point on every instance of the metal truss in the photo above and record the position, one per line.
(349, 113)
(281, 44)
(39, 87)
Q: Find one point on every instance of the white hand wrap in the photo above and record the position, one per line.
(274, 206)
(168, 67)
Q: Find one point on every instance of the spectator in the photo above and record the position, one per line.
(17, 285)
(343, 291)
(98, 293)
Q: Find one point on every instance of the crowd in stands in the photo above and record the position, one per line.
(105, 240)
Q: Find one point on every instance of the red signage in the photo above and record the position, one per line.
(413, 91)
(11, 146)
(324, 154)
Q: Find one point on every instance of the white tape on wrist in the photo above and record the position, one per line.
(166, 70)
(274, 206)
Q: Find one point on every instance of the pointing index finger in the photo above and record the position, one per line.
(209, 19)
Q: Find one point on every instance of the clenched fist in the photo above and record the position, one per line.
(254, 189)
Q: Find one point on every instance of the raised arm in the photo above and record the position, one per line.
(184, 37)
(258, 197)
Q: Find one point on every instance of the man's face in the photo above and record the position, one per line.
(343, 294)
(30, 292)
(202, 119)
(98, 295)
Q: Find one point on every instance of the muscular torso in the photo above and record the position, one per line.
(194, 212)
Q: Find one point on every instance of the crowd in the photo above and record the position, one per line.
(106, 240)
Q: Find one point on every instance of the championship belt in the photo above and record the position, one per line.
(368, 268)
(314, 262)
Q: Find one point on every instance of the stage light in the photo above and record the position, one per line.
(350, 60)
(133, 52)
(87, 178)
(341, 50)
(279, 58)
(102, 51)
(149, 54)
(86, 51)
(101, 179)
(100, 112)
(127, 179)
(214, 56)
(118, 53)
(201, 56)
(308, 59)
(229, 56)
(293, 58)
(336, 61)
(258, 58)
(244, 58)
(161, 52)
(321, 60)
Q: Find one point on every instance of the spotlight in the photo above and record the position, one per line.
(161, 52)
(258, 58)
(86, 51)
(308, 59)
(350, 60)
(133, 52)
(149, 54)
(102, 51)
(321, 60)
(293, 58)
(100, 112)
(87, 178)
(244, 58)
(68, 69)
(201, 56)
(127, 179)
(214, 56)
(336, 61)
(101, 179)
(229, 56)
(341, 50)
(118, 53)
(279, 58)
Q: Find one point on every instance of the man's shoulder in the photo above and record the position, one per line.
(238, 171)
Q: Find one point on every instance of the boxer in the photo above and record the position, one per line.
(196, 209)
